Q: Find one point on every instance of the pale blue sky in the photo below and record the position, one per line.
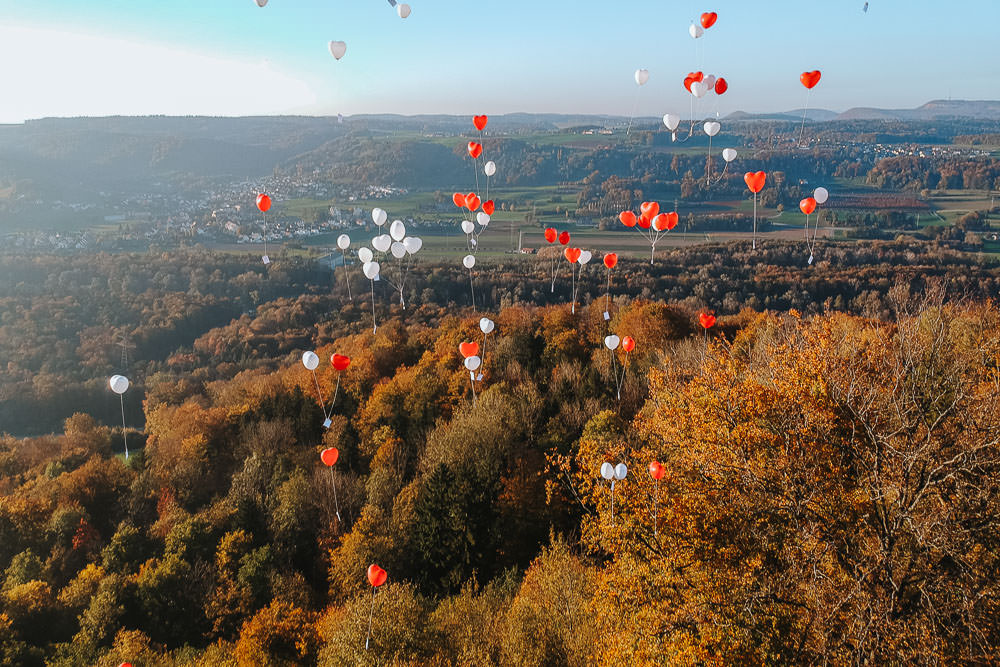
(229, 57)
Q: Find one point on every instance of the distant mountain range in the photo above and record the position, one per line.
(933, 110)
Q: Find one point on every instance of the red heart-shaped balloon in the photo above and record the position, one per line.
(472, 201)
(475, 149)
(628, 343)
(810, 79)
(551, 235)
(479, 122)
(263, 202)
(572, 254)
(627, 218)
(707, 320)
(708, 19)
(807, 205)
(660, 222)
(376, 575)
(656, 470)
(468, 349)
(489, 207)
(672, 220)
(698, 76)
(688, 80)
(645, 223)
(329, 456)
(459, 199)
(649, 209)
(721, 86)
(610, 260)
(755, 180)
(564, 238)
(340, 362)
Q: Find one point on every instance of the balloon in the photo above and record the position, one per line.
(550, 235)
(343, 241)
(397, 230)
(709, 81)
(656, 470)
(729, 154)
(641, 76)
(610, 260)
(329, 456)
(376, 575)
(340, 362)
(563, 238)
(413, 244)
(807, 205)
(403, 10)
(337, 49)
(687, 83)
(721, 86)
(480, 122)
(649, 209)
(585, 257)
(620, 471)
(379, 216)
(382, 242)
(473, 363)
(672, 220)
(712, 128)
(468, 227)
(707, 320)
(370, 270)
(671, 121)
(708, 19)
(697, 76)
(821, 195)
(810, 79)
(472, 201)
(365, 255)
(489, 207)
(469, 261)
(627, 218)
(468, 349)
(310, 360)
(611, 342)
(572, 254)
(607, 470)
(398, 250)
(490, 168)
(645, 223)
(482, 218)
(260, 3)
(628, 343)
(660, 222)
(755, 180)
(486, 325)
(475, 149)
(118, 383)
(699, 89)
(263, 203)
(696, 31)
(459, 199)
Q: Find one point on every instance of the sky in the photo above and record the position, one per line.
(233, 58)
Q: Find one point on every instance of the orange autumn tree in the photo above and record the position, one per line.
(830, 495)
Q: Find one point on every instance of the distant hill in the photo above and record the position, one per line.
(933, 110)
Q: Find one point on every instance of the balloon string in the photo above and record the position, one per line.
(322, 401)
(472, 383)
(572, 271)
(708, 165)
(754, 226)
(347, 278)
(635, 107)
(336, 504)
(374, 325)
(263, 213)
(656, 503)
(804, 112)
(607, 295)
(472, 289)
(371, 614)
(124, 434)
(335, 391)
(722, 175)
(483, 363)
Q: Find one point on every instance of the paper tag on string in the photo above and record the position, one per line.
(265, 259)
(607, 316)
(479, 378)
(327, 423)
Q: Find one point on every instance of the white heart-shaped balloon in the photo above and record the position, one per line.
(620, 471)
(698, 89)
(671, 121)
(729, 154)
(585, 256)
(398, 250)
(413, 244)
(482, 218)
(611, 342)
(469, 261)
(338, 49)
(490, 168)
(473, 363)
(607, 470)
(712, 128)
(709, 81)
(397, 230)
(696, 31)
(486, 325)
(310, 360)
(403, 10)
(382, 242)
(261, 3)
(641, 76)
(379, 216)
(371, 270)
(365, 255)
(343, 241)
(468, 227)
(118, 384)
(821, 195)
